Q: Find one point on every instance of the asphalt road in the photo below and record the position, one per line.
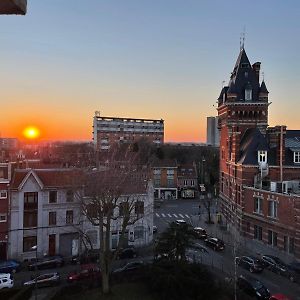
(188, 210)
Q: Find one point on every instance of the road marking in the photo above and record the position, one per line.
(163, 215)
(157, 215)
(169, 215)
(175, 215)
(180, 215)
(187, 216)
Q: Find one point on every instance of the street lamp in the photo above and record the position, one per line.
(35, 248)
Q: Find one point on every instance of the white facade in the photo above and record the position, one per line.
(65, 235)
(139, 234)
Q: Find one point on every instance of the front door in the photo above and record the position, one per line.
(52, 244)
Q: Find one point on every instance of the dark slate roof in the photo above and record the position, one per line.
(252, 141)
(243, 75)
(224, 90)
(263, 88)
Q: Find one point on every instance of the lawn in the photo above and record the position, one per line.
(125, 291)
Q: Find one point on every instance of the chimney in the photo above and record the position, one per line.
(256, 69)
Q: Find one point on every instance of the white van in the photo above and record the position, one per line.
(6, 281)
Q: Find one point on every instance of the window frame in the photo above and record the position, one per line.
(3, 215)
(49, 195)
(296, 157)
(52, 217)
(69, 217)
(3, 197)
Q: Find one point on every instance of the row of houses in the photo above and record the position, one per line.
(43, 208)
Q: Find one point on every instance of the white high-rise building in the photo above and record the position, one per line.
(212, 132)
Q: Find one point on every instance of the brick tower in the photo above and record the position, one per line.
(242, 107)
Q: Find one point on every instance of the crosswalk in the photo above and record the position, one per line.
(176, 216)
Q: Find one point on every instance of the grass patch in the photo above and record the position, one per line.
(125, 291)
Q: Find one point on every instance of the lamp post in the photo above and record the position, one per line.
(34, 248)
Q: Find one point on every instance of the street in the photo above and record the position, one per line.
(188, 210)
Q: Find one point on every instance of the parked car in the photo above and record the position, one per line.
(6, 281)
(129, 271)
(276, 265)
(46, 263)
(250, 263)
(295, 266)
(180, 222)
(50, 279)
(279, 297)
(215, 243)
(87, 272)
(154, 229)
(200, 233)
(253, 287)
(88, 256)
(127, 253)
(199, 247)
(9, 266)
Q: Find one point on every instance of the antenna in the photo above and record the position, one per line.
(263, 76)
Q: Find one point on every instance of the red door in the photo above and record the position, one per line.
(52, 244)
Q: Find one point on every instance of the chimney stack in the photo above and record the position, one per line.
(256, 69)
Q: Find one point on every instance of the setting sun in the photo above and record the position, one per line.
(31, 132)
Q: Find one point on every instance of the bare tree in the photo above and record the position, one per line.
(112, 201)
(208, 204)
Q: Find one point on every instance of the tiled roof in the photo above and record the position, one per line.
(50, 178)
(164, 163)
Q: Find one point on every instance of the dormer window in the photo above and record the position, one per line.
(297, 157)
(248, 92)
(245, 65)
(262, 157)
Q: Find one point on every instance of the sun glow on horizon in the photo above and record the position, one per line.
(31, 132)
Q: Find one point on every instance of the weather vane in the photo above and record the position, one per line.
(242, 38)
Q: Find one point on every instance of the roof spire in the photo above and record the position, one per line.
(242, 38)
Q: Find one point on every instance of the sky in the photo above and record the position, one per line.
(160, 59)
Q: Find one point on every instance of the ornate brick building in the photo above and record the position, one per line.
(259, 165)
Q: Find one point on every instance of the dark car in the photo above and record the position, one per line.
(180, 222)
(250, 263)
(9, 266)
(47, 262)
(198, 247)
(127, 253)
(88, 256)
(50, 279)
(215, 243)
(89, 272)
(130, 271)
(200, 233)
(295, 266)
(276, 265)
(253, 287)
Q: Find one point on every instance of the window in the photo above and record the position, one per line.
(170, 172)
(258, 205)
(28, 243)
(123, 208)
(185, 182)
(138, 232)
(3, 218)
(139, 208)
(262, 156)
(30, 209)
(248, 94)
(69, 217)
(70, 196)
(52, 218)
(272, 210)
(170, 182)
(3, 194)
(156, 171)
(92, 236)
(272, 238)
(297, 157)
(285, 243)
(52, 196)
(156, 182)
(192, 183)
(257, 232)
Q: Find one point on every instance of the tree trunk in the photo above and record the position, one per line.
(105, 282)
